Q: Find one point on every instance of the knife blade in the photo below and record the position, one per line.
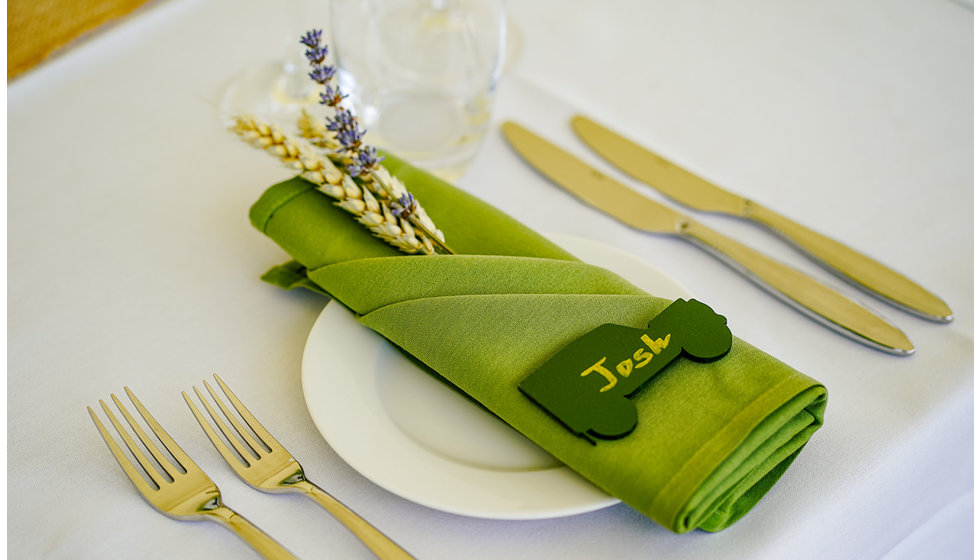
(691, 190)
(815, 300)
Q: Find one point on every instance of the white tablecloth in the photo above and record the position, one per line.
(131, 262)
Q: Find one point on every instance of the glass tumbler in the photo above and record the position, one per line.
(421, 74)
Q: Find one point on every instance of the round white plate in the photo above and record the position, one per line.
(415, 436)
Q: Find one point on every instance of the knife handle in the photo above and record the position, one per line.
(800, 291)
(860, 270)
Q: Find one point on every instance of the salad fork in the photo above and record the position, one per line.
(178, 489)
(263, 463)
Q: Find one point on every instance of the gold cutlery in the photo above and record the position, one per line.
(691, 190)
(180, 490)
(263, 463)
(793, 287)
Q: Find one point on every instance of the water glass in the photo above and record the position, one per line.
(421, 74)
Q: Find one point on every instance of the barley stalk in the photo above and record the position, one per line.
(300, 154)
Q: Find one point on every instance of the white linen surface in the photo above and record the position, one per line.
(132, 262)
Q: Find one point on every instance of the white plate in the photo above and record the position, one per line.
(416, 437)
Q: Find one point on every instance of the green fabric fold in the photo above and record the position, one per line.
(712, 438)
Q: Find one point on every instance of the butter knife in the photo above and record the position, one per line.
(693, 191)
(793, 287)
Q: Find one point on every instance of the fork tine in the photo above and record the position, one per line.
(183, 460)
(147, 442)
(248, 455)
(252, 422)
(219, 444)
(148, 468)
(121, 458)
(246, 436)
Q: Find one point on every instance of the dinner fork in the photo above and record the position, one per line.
(263, 463)
(178, 489)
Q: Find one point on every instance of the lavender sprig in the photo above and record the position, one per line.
(311, 38)
(322, 74)
(358, 159)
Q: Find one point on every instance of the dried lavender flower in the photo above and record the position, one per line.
(331, 97)
(311, 38)
(322, 74)
(349, 138)
(406, 204)
(343, 119)
(316, 55)
(368, 157)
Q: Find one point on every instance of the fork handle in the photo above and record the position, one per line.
(255, 537)
(375, 540)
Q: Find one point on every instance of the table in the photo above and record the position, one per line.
(131, 262)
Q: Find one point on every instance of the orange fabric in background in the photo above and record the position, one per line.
(36, 28)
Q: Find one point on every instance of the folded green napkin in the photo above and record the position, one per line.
(712, 438)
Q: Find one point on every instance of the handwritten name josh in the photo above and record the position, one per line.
(587, 385)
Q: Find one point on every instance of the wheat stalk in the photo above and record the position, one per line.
(382, 183)
(316, 132)
(361, 201)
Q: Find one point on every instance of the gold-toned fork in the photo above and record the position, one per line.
(263, 463)
(178, 489)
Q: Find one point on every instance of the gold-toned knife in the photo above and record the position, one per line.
(693, 191)
(795, 288)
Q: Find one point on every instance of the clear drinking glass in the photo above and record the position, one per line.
(421, 74)
(276, 90)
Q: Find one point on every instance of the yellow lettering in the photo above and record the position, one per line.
(642, 357)
(598, 367)
(625, 367)
(656, 346)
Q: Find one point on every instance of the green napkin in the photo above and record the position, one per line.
(712, 438)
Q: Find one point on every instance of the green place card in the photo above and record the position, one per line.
(587, 385)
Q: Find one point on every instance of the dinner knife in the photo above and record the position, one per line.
(793, 287)
(693, 191)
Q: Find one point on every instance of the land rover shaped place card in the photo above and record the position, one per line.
(587, 385)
